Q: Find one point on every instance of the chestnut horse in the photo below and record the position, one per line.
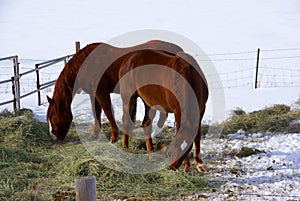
(177, 86)
(96, 78)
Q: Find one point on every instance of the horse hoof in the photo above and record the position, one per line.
(201, 168)
(113, 140)
(186, 169)
(92, 138)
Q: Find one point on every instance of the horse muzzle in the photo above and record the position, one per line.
(53, 137)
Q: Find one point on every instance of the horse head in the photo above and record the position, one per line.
(59, 118)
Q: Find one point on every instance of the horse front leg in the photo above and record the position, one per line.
(182, 144)
(179, 149)
(105, 103)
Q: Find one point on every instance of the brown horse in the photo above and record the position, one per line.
(178, 86)
(88, 69)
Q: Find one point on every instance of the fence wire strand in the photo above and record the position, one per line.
(244, 77)
(268, 75)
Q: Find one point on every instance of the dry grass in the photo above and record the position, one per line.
(271, 119)
(32, 167)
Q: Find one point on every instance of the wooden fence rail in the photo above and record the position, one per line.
(41, 86)
(15, 79)
(15, 83)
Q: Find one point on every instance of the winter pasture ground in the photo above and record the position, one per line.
(255, 158)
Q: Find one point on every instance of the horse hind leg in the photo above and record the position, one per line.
(96, 108)
(128, 109)
(160, 125)
(186, 163)
(197, 156)
(147, 127)
(162, 119)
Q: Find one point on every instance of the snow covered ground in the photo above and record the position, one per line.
(271, 175)
(247, 99)
(40, 30)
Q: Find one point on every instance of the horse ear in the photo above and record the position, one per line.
(50, 100)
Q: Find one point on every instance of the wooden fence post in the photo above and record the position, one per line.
(13, 89)
(256, 71)
(38, 84)
(77, 46)
(85, 189)
(17, 105)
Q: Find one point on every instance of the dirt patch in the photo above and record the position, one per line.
(246, 151)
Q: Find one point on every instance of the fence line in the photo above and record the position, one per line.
(279, 77)
(260, 75)
(8, 58)
(15, 83)
(43, 65)
(18, 77)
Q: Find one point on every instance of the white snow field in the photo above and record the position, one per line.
(228, 31)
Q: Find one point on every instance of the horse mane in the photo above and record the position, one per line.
(68, 75)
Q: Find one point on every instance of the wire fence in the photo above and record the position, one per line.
(277, 68)
(279, 77)
(25, 79)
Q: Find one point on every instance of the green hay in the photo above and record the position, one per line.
(271, 119)
(32, 167)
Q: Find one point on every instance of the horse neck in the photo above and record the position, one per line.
(66, 82)
(64, 87)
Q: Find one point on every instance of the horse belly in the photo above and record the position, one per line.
(155, 96)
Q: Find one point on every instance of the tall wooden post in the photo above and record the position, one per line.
(17, 105)
(256, 71)
(38, 84)
(77, 46)
(85, 189)
(13, 89)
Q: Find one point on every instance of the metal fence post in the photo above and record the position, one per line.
(256, 70)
